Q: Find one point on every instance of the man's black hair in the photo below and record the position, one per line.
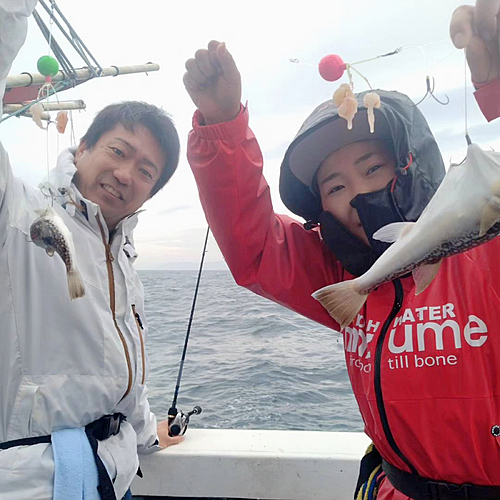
(130, 114)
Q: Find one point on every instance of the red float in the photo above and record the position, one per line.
(331, 67)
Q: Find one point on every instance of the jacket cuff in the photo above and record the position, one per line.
(488, 98)
(233, 132)
(152, 448)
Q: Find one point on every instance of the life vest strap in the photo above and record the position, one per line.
(422, 488)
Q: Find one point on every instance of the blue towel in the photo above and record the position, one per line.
(75, 476)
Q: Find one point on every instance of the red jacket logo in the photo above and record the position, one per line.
(418, 330)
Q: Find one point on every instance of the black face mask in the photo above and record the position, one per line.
(375, 210)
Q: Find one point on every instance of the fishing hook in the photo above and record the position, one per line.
(430, 91)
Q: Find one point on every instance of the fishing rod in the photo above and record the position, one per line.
(177, 420)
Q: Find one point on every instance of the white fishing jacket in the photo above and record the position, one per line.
(62, 363)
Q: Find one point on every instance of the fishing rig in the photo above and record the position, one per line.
(177, 420)
(332, 67)
(57, 73)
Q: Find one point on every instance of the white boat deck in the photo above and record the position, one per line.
(255, 464)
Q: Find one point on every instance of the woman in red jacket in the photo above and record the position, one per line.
(424, 369)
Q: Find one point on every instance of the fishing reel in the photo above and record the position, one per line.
(178, 421)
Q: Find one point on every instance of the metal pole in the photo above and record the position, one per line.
(51, 106)
(28, 79)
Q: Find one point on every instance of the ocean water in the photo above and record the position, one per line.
(250, 364)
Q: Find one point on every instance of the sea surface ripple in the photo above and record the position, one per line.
(251, 364)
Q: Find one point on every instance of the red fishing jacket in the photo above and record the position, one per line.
(425, 370)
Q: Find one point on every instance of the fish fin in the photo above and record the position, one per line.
(489, 217)
(392, 232)
(75, 284)
(341, 300)
(424, 274)
(50, 251)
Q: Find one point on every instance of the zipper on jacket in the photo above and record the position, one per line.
(398, 303)
(140, 327)
(111, 280)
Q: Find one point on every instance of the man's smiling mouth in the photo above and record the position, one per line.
(112, 191)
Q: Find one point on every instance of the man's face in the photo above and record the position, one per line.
(360, 167)
(119, 172)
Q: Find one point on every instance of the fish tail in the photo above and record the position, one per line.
(75, 284)
(342, 300)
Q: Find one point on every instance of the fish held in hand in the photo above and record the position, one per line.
(463, 213)
(50, 233)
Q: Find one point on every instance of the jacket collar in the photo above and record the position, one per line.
(60, 183)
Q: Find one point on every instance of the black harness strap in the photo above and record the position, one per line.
(99, 430)
(421, 488)
(25, 442)
(105, 487)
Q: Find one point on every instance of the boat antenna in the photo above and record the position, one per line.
(177, 420)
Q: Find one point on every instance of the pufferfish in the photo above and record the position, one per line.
(50, 233)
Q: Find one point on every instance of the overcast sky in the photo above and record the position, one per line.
(263, 36)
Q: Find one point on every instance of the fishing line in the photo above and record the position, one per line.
(72, 137)
(392, 53)
(425, 44)
(177, 420)
(296, 60)
(402, 49)
(349, 67)
(51, 23)
(453, 52)
(57, 144)
(467, 137)
(48, 164)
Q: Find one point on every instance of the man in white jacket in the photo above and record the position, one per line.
(66, 364)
